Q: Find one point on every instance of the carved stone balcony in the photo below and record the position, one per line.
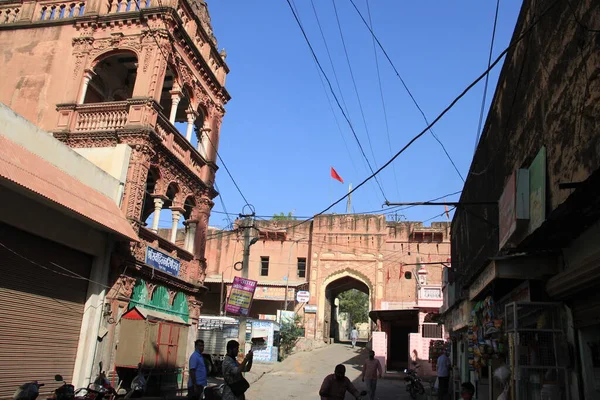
(83, 122)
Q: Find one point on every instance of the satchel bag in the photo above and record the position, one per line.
(239, 387)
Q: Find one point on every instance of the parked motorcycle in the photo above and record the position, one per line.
(413, 383)
(65, 392)
(100, 389)
(138, 385)
(28, 391)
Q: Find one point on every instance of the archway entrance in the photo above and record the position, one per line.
(347, 304)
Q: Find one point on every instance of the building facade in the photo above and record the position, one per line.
(523, 288)
(397, 264)
(138, 89)
(57, 235)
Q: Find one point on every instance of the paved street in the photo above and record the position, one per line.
(300, 376)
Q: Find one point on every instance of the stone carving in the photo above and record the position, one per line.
(200, 9)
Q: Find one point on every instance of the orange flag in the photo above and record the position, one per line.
(336, 176)
(447, 212)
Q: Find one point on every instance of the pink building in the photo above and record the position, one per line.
(398, 264)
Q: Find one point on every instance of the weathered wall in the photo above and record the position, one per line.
(548, 95)
(39, 142)
(36, 71)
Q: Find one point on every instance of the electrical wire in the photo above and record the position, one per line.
(448, 108)
(385, 116)
(487, 78)
(334, 95)
(408, 91)
(360, 106)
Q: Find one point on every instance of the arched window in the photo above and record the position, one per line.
(180, 306)
(160, 299)
(139, 294)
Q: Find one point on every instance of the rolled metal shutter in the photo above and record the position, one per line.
(42, 298)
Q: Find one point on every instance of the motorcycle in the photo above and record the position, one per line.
(138, 385)
(98, 390)
(413, 383)
(65, 392)
(28, 391)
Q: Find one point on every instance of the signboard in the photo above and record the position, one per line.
(162, 262)
(310, 309)
(506, 211)
(537, 190)
(303, 296)
(240, 297)
(273, 293)
(513, 205)
(484, 279)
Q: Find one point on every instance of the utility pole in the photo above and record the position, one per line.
(349, 203)
(247, 226)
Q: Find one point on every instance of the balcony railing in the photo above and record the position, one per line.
(9, 13)
(117, 115)
(430, 296)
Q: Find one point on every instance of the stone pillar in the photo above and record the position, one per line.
(204, 142)
(158, 205)
(190, 234)
(135, 185)
(176, 217)
(202, 211)
(175, 99)
(88, 74)
(191, 118)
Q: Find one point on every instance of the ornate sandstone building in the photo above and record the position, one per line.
(136, 87)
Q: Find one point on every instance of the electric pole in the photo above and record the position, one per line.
(247, 226)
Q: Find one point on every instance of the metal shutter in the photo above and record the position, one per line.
(41, 309)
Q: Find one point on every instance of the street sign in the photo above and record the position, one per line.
(302, 296)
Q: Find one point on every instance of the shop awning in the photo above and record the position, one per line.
(403, 318)
(24, 170)
(140, 313)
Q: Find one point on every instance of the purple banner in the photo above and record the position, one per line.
(240, 298)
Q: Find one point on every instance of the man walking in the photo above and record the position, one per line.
(354, 336)
(198, 379)
(443, 374)
(370, 373)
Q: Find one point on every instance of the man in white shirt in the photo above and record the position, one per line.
(354, 336)
(443, 374)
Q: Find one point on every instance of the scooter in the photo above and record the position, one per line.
(413, 383)
(28, 391)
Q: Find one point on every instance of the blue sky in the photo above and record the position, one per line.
(279, 137)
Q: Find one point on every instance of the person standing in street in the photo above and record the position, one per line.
(235, 383)
(443, 374)
(370, 373)
(198, 377)
(354, 336)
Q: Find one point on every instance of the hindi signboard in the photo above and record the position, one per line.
(162, 261)
(240, 298)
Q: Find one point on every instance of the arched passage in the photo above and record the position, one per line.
(336, 326)
(114, 77)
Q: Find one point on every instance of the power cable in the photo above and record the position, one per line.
(223, 205)
(487, 78)
(335, 76)
(333, 93)
(360, 106)
(445, 111)
(385, 116)
(408, 91)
